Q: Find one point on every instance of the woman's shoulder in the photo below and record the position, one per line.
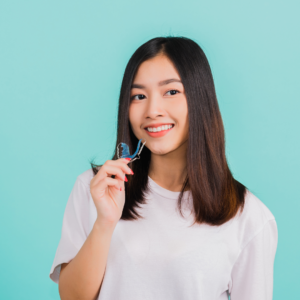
(86, 177)
(253, 218)
(256, 209)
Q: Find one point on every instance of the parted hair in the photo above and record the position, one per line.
(217, 196)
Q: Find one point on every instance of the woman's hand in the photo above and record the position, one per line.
(109, 193)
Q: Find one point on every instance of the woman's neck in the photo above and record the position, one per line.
(169, 170)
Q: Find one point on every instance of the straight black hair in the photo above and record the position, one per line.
(217, 196)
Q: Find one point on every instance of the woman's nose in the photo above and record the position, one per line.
(154, 106)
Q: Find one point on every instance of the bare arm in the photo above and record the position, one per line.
(82, 277)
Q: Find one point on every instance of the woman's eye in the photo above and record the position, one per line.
(141, 96)
(132, 98)
(173, 92)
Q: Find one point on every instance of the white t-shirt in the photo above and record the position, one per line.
(160, 257)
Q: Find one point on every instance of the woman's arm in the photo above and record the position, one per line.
(82, 277)
(252, 274)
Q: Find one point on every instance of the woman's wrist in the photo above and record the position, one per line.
(104, 226)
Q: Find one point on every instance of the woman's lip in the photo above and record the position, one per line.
(159, 124)
(160, 133)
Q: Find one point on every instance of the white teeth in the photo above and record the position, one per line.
(160, 128)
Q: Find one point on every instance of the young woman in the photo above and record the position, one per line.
(179, 226)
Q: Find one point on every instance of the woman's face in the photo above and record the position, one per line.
(158, 99)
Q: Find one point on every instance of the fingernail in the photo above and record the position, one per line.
(127, 158)
(131, 172)
(125, 178)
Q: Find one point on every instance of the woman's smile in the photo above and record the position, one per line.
(157, 130)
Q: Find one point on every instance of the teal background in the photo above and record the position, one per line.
(61, 66)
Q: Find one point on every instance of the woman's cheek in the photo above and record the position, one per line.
(179, 109)
(134, 117)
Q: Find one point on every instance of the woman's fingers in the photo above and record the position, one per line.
(118, 168)
(108, 170)
(100, 188)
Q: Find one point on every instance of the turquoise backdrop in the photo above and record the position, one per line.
(61, 66)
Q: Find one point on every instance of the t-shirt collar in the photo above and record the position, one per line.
(164, 192)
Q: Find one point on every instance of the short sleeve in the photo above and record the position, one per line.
(74, 228)
(252, 273)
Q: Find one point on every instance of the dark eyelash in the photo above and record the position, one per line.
(131, 98)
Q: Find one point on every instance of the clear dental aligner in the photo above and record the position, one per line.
(125, 151)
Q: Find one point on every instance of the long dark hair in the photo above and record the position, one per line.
(217, 196)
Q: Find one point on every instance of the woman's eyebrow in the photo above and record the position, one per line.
(164, 82)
